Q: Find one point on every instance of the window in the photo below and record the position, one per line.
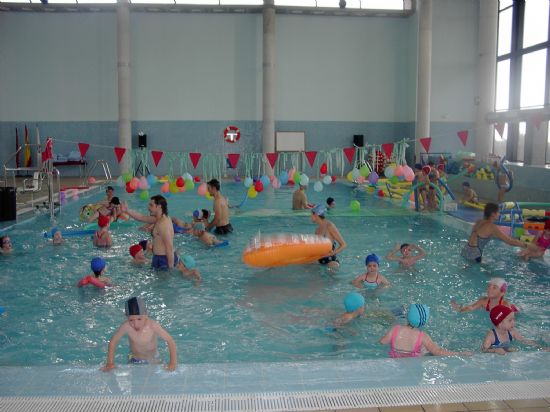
(522, 70)
(548, 145)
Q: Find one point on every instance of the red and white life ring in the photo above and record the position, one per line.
(231, 134)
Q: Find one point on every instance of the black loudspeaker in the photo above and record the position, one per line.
(358, 140)
(8, 204)
(142, 140)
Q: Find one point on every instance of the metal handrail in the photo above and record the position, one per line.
(106, 171)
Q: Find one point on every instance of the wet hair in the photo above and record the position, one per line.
(403, 246)
(418, 166)
(115, 201)
(330, 200)
(214, 183)
(489, 209)
(110, 188)
(2, 241)
(205, 213)
(431, 163)
(161, 200)
(467, 184)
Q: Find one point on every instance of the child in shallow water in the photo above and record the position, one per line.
(371, 278)
(539, 245)
(496, 289)
(409, 341)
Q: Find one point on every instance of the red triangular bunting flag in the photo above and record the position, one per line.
(119, 152)
(83, 147)
(388, 149)
(537, 120)
(156, 155)
(272, 158)
(48, 150)
(350, 154)
(463, 136)
(311, 157)
(233, 159)
(426, 142)
(195, 157)
(499, 127)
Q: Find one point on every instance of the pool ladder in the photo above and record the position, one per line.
(106, 171)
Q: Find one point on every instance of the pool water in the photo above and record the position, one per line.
(238, 313)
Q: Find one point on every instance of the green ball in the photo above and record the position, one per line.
(394, 180)
(144, 195)
(189, 184)
(127, 177)
(364, 171)
(355, 205)
(296, 177)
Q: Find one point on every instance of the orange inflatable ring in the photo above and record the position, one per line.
(285, 249)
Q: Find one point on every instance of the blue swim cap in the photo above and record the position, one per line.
(319, 210)
(353, 301)
(197, 214)
(97, 264)
(189, 262)
(372, 258)
(418, 315)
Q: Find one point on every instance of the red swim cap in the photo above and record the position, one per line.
(499, 313)
(103, 221)
(135, 249)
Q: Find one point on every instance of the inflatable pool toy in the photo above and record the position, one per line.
(69, 233)
(480, 206)
(179, 229)
(222, 244)
(114, 224)
(503, 169)
(88, 211)
(285, 249)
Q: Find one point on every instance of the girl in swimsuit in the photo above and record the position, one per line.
(539, 245)
(482, 232)
(102, 237)
(409, 341)
(496, 288)
(499, 339)
(371, 278)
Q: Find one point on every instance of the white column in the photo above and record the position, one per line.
(424, 76)
(268, 88)
(123, 57)
(486, 83)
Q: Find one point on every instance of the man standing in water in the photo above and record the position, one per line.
(164, 256)
(221, 210)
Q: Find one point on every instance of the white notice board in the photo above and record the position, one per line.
(290, 141)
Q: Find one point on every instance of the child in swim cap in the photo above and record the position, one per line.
(500, 338)
(407, 259)
(496, 289)
(409, 341)
(537, 248)
(142, 336)
(371, 279)
(354, 303)
(138, 254)
(186, 265)
(102, 237)
(97, 265)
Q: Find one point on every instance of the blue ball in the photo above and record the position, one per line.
(353, 301)
(283, 177)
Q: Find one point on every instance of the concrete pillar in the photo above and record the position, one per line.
(424, 76)
(123, 57)
(486, 82)
(268, 87)
(535, 144)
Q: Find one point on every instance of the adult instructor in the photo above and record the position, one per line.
(221, 210)
(164, 256)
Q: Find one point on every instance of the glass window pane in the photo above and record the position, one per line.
(350, 4)
(503, 85)
(535, 26)
(533, 76)
(504, 32)
(505, 3)
(241, 2)
(382, 4)
(521, 142)
(297, 3)
(96, 1)
(191, 2)
(499, 142)
(548, 144)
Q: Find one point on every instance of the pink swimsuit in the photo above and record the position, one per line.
(400, 354)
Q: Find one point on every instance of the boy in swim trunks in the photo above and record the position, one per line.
(410, 342)
(221, 210)
(496, 289)
(500, 338)
(102, 237)
(407, 259)
(142, 337)
(371, 278)
(206, 238)
(539, 245)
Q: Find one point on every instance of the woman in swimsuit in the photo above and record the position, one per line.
(327, 229)
(482, 232)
